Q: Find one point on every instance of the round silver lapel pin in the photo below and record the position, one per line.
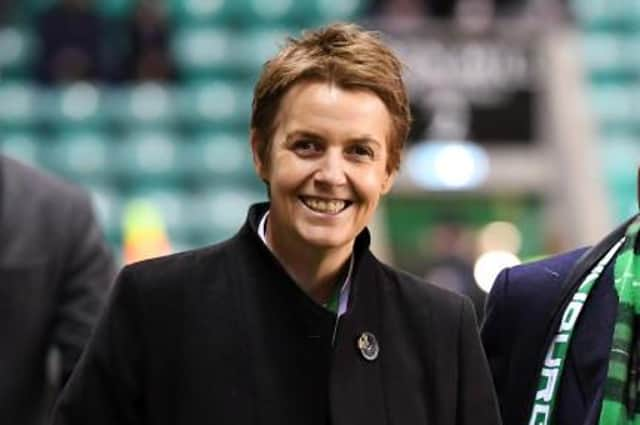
(368, 346)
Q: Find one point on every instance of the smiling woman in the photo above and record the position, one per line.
(293, 320)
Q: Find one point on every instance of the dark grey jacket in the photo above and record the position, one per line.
(55, 270)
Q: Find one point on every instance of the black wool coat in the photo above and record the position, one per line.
(222, 335)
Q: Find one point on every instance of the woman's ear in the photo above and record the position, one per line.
(388, 182)
(259, 165)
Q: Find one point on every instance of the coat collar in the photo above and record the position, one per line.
(356, 384)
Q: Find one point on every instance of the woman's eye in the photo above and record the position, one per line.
(361, 151)
(306, 146)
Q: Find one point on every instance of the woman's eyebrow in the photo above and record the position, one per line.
(303, 133)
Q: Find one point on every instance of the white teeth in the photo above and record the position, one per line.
(333, 206)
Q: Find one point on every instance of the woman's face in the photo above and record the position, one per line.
(326, 166)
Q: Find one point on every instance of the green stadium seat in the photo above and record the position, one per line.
(204, 51)
(602, 14)
(189, 12)
(215, 104)
(220, 211)
(256, 45)
(78, 105)
(150, 157)
(269, 12)
(83, 156)
(143, 106)
(320, 12)
(17, 105)
(604, 55)
(22, 146)
(221, 157)
(614, 106)
(620, 154)
(17, 45)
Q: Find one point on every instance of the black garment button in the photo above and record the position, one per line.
(368, 346)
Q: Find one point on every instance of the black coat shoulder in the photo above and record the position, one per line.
(426, 297)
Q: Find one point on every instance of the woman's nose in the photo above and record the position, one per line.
(331, 170)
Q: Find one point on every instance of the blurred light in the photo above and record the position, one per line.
(80, 101)
(489, 264)
(448, 165)
(500, 235)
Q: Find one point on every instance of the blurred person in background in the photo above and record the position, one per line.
(293, 320)
(55, 270)
(149, 57)
(561, 335)
(71, 37)
(451, 265)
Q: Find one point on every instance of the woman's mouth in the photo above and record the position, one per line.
(325, 206)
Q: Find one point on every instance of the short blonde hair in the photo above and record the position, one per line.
(342, 54)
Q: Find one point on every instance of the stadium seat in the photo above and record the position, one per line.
(142, 106)
(17, 45)
(215, 104)
(602, 14)
(190, 12)
(83, 156)
(17, 105)
(320, 12)
(614, 106)
(269, 12)
(256, 45)
(220, 211)
(221, 157)
(204, 51)
(22, 146)
(603, 55)
(152, 156)
(78, 105)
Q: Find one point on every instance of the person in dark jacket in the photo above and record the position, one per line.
(293, 320)
(551, 335)
(55, 271)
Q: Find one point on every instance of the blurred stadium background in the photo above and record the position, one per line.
(525, 141)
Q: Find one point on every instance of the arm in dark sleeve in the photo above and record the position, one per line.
(477, 400)
(86, 276)
(494, 334)
(106, 386)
